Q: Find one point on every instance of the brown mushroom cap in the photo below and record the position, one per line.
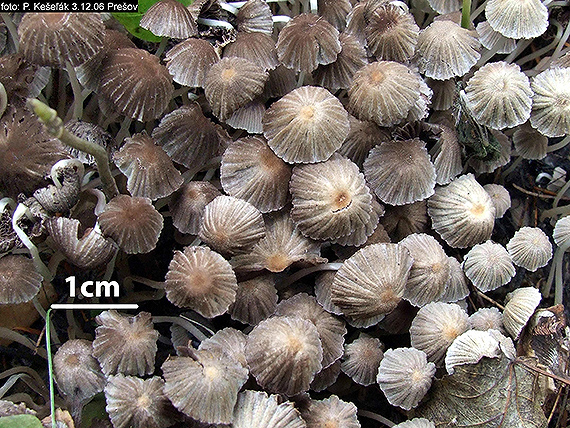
(19, 281)
(255, 16)
(189, 61)
(257, 47)
(187, 205)
(169, 18)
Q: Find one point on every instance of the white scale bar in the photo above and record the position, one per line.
(94, 306)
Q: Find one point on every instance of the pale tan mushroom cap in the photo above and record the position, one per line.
(257, 409)
(517, 19)
(331, 412)
(520, 306)
(488, 266)
(362, 358)
(551, 102)
(530, 248)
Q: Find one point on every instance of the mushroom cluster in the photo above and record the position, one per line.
(317, 196)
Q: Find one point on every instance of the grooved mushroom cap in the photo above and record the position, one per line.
(362, 137)
(149, 170)
(470, 347)
(404, 376)
(257, 47)
(335, 12)
(372, 281)
(330, 199)
(132, 222)
(517, 19)
(330, 328)
(445, 6)
(384, 92)
(255, 16)
(252, 172)
(446, 50)
(561, 233)
(227, 341)
(456, 288)
(462, 212)
(551, 102)
(488, 266)
(520, 306)
(331, 412)
(256, 409)
(499, 95)
(202, 280)
(187, 205)
(306, 41)
(530, 143)
(138, 403)
(392, 33)
(362, 358)
(284, 354)
(205, 385)
(436, 326)
(231, 225)
(530, 248)
(487, 319)
(187, 136)
(169, 18)
(400, 172)
(189, 61)
(401, 221)
(493, 40)
(76, 372)
(416, 423)
(231, 83)
(52, 39)
(125, 344)
(136, 84)
(256, 300)
(305, 126)
(430, 271)
(500, 197)
(19, 280)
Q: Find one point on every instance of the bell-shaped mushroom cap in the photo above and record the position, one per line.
(400, 172)
(169, 18)
(500, 197)
(228, 341)
(330, 328)
(256, 300)
(372, 281)
(392, 33)
(330, 199)
(487, 319)
(88, 251)
(430, 271)
(436, 326)
(307, 125)
(561, 233)
(150, 172)
(231, 225)
(335, 12)
(76, 372)
(282, 246)
(138, 403)
(252, 172)
(446, 50)
(27, 152)
(187, 136)
(256, 409)
(284, 354)
(416, 423)
(187, 205)
(125, 344)
(204, 386)
(189, 61)
(231, 83)
(19, 281)
(470, 347)
(488, 266)
(517, 19)
(404, 376)
(52, 39)
(331, 412)
(530, 248)
(339, 74)
(493, 40)
(306, 41)
(363, 234)
(362, 358)
(499, 95)
(256, 47)
(249, 117)
(362, 137)
(132, 222)
(446, 154)
(520, 306)
(462, 212)
(456, 287)
(384, 92)
(202, 280)
(551, 102)
(445, 6)
(136, 84)
(255, 16)
(529, 143)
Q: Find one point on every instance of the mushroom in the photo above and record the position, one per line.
(516, 19)
(169, 18)
(362, 358)
(189, 62)
(550, 114)
(488, 266)
(331, 411)
(256, 300)
(530, 248)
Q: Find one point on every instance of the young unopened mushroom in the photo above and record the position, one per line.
(362, 358)
(487, 319)
(517, 19)
(530, 248)
(404, 376)
(488, 266)
(125, 344)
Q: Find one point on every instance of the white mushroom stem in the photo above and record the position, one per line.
(4, 202)
(101, 203)
(3, 99)
(231, 8)
(540, 52)
(376, 417)
(307, 271)
(77, 91)
(556, 274)
(314, 6)
(21, 211)
(215, 23)
(281, 18)
(185, 323)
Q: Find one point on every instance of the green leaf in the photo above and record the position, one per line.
(492, 393)
(132, 21)
(20, 421)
